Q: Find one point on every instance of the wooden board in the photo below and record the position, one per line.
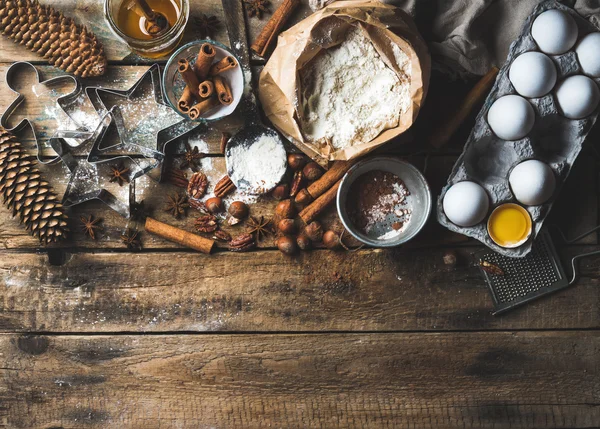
(266, 291)
(480, 380)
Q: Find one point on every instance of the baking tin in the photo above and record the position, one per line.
(419, 201)
(554, 139)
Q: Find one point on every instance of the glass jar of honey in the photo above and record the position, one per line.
(127, 22)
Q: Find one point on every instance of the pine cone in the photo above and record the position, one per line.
(53, 36)
(26, 193)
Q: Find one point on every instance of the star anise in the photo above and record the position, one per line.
(206, 25)
(130, 238)
(139, 212)
(260, 227)
(257, 7)
(90, 225)
(119, 174)
(176, 205)
(191, 158)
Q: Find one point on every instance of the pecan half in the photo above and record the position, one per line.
(224, 187)
(242, 243)
(197, 204)
(197, 185)
(176, 177)
(297, 183)
(206, 223)
(221, 235)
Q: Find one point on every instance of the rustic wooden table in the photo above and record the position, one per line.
(93, 335)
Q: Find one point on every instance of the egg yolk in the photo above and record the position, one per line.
(509, 225)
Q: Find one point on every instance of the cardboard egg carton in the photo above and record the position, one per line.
(554, 139)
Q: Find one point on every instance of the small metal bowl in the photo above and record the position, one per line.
(419, 201)
(173, 84)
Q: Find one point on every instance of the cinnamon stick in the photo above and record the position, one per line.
(320, 186)
(226, 63)
(309, 213)
(273, 27)
(206, 89)
(204, 61)
(179, 236)
(474, 97)
(189, 76)
(223, 90)
(186, 100)
(203, 107)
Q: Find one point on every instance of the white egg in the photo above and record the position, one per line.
(588, 54)
(554, 31)
(532, 74)
(532, 182)
(577, 96)
(466, 203)
(511, 117)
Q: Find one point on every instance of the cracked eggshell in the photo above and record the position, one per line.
(511, 117)
(466, 203)
(554, 31)
(532, 182)
(588, 54)
(577, 96)
(532, 74)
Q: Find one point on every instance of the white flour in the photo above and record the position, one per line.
(349, 95)
(261, 165)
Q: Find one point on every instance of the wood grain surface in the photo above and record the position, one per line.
(94, 336)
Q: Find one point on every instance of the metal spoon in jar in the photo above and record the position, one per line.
(253, 130)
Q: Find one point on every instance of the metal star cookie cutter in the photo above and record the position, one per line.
(85, 180)
(162, 136)
(62, 101)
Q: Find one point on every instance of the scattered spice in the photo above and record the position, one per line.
(91, 225)
(176, 205)
(257, 7)
(260, 227)
(374, 198)
(191, 158)
(490, 268)
(206, 26)
(130, 238)
(119, 174)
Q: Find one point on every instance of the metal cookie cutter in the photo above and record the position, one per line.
(85, 182)
(11, 76)
(173, 131)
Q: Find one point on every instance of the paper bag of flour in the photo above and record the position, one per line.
(301, 62)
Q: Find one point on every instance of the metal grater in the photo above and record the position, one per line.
(525, 279)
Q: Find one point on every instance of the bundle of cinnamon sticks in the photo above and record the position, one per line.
(206, 88)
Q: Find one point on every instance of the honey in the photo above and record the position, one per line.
(509, 225)
(132, 22)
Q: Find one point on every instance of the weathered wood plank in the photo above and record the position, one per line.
(91, 14)
(451, 380)
(367, 290)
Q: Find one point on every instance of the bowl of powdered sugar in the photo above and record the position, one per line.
(383, 201)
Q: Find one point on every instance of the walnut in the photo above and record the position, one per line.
(206, 223)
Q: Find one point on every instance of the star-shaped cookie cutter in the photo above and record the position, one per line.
(163, 136)
(63, 101)
(84, 183)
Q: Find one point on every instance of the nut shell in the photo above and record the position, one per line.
(287, 226)
(238, 209)
(287, 245)
(312, 171)
(314, 231)
(285, 209)
(214, 205)
(303, 242)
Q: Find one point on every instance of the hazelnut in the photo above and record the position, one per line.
(331, 240)
(286, 226)
(296, 161)
(281, 192)
(303, 197)
(312, 171)
(314, 231)
(287, 245)
(303, 242)
(238, 210)
(285, 209)
(214, 205)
